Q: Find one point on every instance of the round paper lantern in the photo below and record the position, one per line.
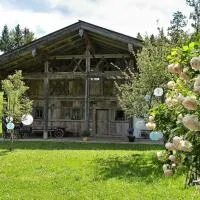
(160, 134)
(10, 126)
(147, 97)
(155, 135)
(27, 120)
(158, 92)
(9, 119)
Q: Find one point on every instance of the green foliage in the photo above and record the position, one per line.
(17, 103)
(184, 53)
(11, 39)
(176, 119)
(152, 74)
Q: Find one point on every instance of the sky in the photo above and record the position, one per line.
(124, 16)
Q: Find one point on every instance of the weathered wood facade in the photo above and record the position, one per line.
(71, 75)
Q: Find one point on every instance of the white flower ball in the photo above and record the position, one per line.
(171, 84)
(168, 172)
(195, 63)
(169, 146)
(172, 158)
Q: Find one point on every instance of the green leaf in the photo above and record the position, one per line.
(185, 48)
(191, 45)
(173, 53)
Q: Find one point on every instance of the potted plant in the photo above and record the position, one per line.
(131, 137)
(86, 135)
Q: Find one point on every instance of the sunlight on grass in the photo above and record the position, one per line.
(51, 170)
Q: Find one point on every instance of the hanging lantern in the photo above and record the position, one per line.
(10, 126)
(156, 135)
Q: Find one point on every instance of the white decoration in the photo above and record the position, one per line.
(27, 120)
(158, 92)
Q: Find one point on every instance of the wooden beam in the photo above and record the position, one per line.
(70, 75)
(78, 65)
(111, 34)
(87, 91)
(68, 57)
(98, 65)
(46, 100)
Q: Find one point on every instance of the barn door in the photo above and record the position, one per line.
(102, 122)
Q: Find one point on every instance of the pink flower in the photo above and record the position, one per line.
(197, 84)
(151, 118)
(171, 84)
(172, 158)
(175, 68)
(190, 103)
(170, 146)
(171, 68)
(176, 141)
(185, 75)
(171, 102)
(151, 125)
(191, 122)
(168, 172)
(174, 165)
(195, 63)
(186, 146)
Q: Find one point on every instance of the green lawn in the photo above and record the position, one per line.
(52, 170)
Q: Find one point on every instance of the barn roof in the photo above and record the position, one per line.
(70, 40)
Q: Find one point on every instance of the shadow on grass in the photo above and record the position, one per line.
(47, 145)
(136, 167)
(4, 152)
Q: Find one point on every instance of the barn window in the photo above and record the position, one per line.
(39, 113)
(119, 115)
(77, 113)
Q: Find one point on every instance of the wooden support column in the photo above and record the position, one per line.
(46, 100)
(87, 91)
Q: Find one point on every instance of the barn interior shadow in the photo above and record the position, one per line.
(132, 168)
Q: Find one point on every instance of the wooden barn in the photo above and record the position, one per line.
(71, 75)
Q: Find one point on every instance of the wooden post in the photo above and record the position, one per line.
(46, 100)
(87, 92)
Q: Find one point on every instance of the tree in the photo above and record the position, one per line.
(139, 36)
(152, 73)
(195, 15)
(14, 38)
(17, 103)
(5, 41)
(28, 36)
(17, 36)
(175, 31)
(152, 39)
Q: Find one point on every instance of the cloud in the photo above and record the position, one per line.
(127, 16)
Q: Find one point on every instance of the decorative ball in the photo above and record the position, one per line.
(155, 135)
(27, 120)
(10, 126)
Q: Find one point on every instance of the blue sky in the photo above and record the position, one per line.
(125, 16)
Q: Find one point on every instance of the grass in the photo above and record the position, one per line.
(52, 170)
